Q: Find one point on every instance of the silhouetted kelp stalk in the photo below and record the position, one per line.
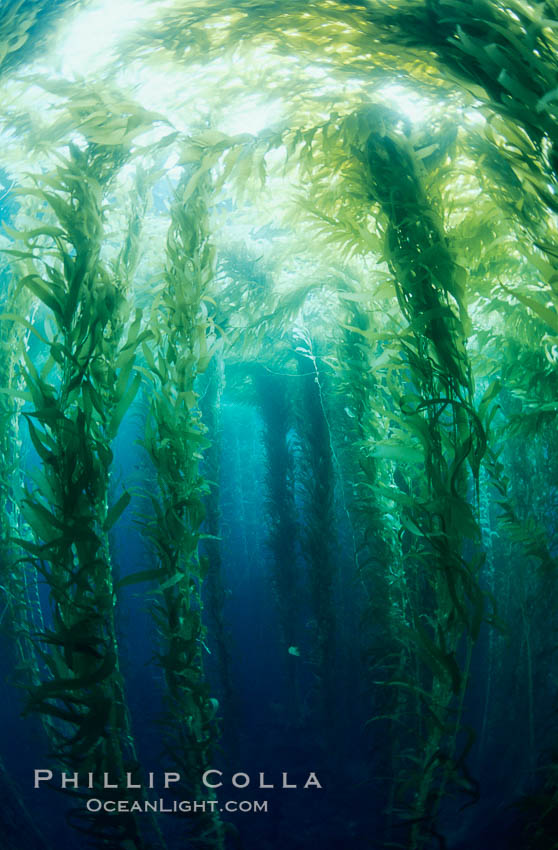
(275, 403)
(214, 587)
(317, 485)
(78, 398)
(241, 290)
(175, 440)
(490, 576)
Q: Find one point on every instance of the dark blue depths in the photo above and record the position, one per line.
(273, 719)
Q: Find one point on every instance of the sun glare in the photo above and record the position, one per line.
(87, 42)
(414, 107)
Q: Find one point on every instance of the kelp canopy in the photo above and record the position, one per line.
(342, 215)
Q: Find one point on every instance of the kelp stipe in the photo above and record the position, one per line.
(175, 440)
(21, 610)
(214, 589)
(77, 401)
(274, 400)
(360, 385)
(440, 519)
(318, 537)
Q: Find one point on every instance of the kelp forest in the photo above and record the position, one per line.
(278, 400)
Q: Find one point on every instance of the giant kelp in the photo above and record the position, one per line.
(77, 397)
(410, 270)
(175, 438)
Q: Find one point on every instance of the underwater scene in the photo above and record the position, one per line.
(278, 411)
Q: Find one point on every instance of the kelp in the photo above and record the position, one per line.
(25, 26)
(362, 371)
(175, 440)
(317, 485)
(426, 249)
(215, 590)
(440, 412)
(445, 433)
(17, 602)
(78, 392)
(17, 817)
(273, 392)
